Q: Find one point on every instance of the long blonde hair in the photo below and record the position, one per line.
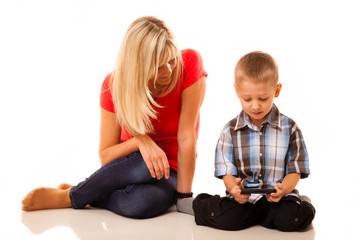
(146, 45)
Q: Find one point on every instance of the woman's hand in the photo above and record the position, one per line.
(236, 192)
(154, 157)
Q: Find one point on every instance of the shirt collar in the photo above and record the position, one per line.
(273, 119)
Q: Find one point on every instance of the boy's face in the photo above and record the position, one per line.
(257, 98)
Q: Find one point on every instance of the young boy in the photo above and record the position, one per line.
(260, 148)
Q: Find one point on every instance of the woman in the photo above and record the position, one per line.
(149, 124)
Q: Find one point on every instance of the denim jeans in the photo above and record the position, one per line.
(125, 186)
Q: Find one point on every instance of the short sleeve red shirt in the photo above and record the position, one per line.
(167, 122)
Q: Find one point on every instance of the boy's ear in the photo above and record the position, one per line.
(278, 89)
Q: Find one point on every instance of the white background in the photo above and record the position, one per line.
(54, 56)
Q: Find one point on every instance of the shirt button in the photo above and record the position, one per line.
(296, 219)
(260, 154)
(212, 214)
(260, 133)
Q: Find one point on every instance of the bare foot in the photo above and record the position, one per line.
(45, 198)
(65, 186)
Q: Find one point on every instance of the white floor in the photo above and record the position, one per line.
(101, 224)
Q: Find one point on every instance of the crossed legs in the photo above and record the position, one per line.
(122, 186)
(290, 214)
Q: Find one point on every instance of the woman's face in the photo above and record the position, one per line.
(164, 76)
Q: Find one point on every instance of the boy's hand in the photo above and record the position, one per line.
(236, 192)
(276, 197)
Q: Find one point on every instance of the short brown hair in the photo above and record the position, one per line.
(258, 66)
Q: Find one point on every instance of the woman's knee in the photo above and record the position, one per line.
(137, 169)
(145, 201)
(132, 166)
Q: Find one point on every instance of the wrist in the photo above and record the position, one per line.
(139, 140)
(180, 195)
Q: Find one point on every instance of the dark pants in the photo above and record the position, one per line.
(290, 214)
(125, 186)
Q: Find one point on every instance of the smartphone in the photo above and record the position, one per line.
(257, 190)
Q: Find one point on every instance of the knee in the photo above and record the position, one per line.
(147, 208)
(139, 210)
(297, 215)
(221, 212)
(143, 202)
(137, 169)
(306, 215)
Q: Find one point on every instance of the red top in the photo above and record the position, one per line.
(167, 122)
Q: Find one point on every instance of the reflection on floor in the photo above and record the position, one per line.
(101, 224)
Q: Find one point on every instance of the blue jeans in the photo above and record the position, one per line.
(125, 186)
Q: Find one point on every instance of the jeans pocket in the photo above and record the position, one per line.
(213, 210)
(299, 214)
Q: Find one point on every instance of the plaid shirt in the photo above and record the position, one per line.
(261, 157)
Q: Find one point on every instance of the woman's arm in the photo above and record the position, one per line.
(110, 147)
(191, 100)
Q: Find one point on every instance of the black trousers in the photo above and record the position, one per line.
(289, 214)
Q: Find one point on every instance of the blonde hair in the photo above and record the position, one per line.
(147, 44)
(257, 66)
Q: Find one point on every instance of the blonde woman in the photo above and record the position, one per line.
(149, 124)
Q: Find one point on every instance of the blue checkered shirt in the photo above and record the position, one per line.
(263, 156)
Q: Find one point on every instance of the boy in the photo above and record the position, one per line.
(260, 148)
